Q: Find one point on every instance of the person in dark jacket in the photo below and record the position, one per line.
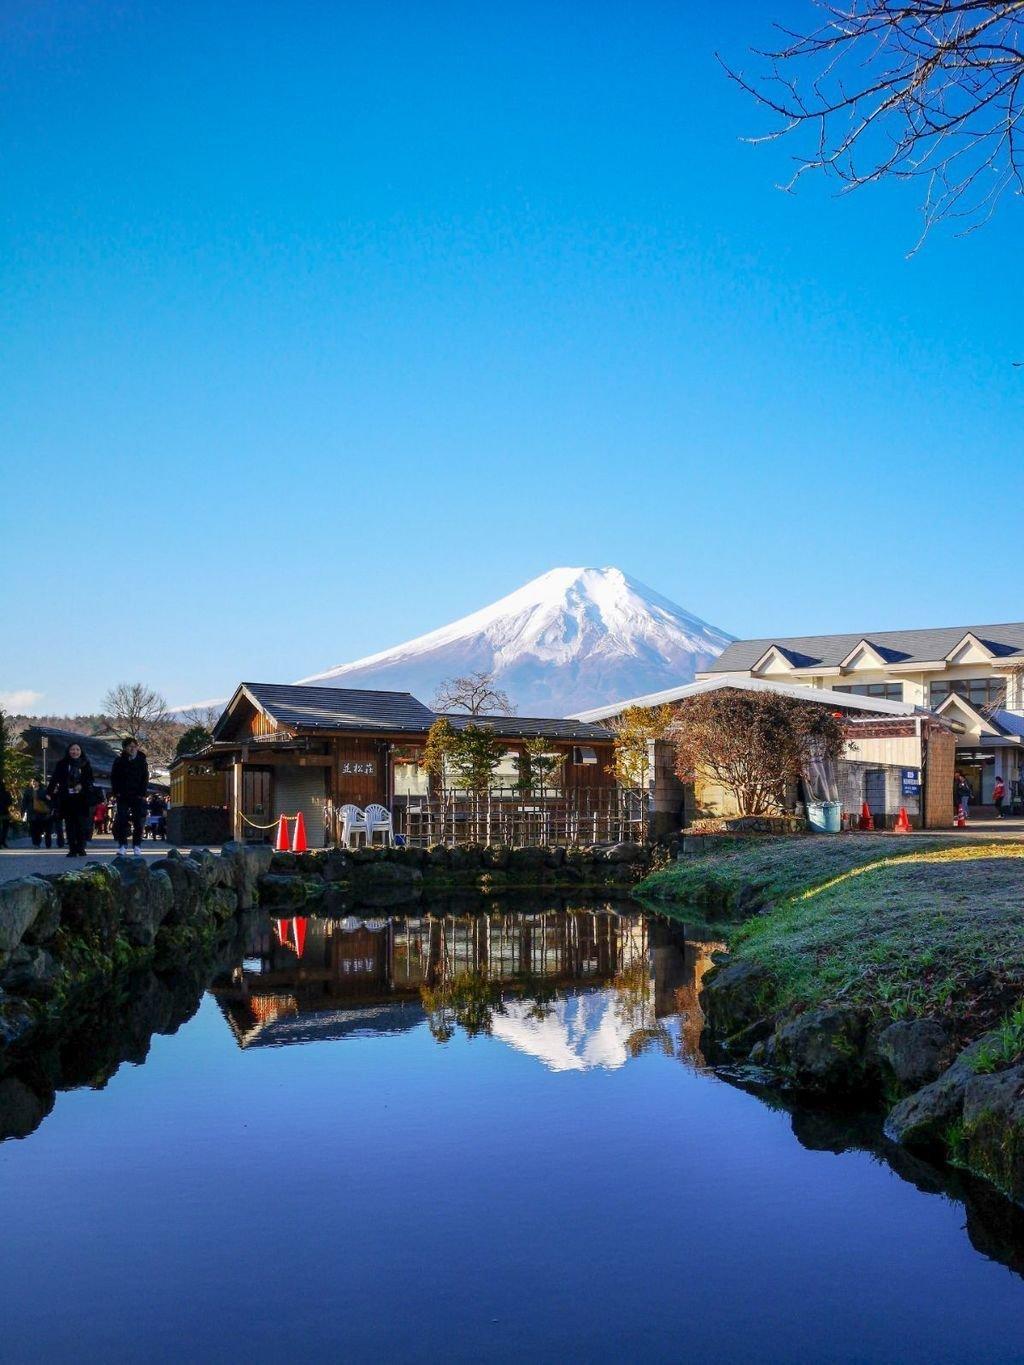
(70, 789)
(5, 814)
(35, 811)
(129, 781)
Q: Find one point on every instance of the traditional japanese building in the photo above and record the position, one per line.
(278, 750)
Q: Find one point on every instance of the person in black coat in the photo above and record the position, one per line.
(129, 782)
(70, 789)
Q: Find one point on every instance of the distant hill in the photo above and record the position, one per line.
(570, 639)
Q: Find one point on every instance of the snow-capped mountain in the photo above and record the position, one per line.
(570, 639)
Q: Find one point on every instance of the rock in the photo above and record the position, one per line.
(625, 852)
(496, 856)
(90, 904)
(248, 862)
(466, 858)
(221, 902)
(992, 1142)
(147, 899)
(554, 857)
(437, 855)
(17, 1020)
(923, 1118)
(284, 862)
(734, 996)
(282, 891)
(31, 972)
(311, 863)
(188, 883)
(22, 901)
(823, 1050)
(387, 874)
(21, 1109)
(337, 866)
(527, 860)
(913, 1050)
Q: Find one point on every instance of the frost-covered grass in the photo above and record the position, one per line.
(772, 869)
(907, 925)
(907, 936)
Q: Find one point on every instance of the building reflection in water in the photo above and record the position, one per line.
(575, 988)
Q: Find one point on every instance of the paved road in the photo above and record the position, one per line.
(22, 860)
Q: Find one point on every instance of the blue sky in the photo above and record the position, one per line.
(325, 323)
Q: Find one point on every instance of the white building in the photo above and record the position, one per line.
(973, 676)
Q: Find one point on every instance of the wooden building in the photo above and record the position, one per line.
(282, 749)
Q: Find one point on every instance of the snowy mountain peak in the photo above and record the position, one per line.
(569, 639)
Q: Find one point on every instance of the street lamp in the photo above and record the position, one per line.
(44, 744)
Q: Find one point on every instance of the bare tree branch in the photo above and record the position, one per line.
(903, 90)
(474, 693)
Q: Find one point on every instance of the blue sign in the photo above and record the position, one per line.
(911, 782)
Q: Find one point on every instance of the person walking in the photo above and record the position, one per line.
(35, 811)
(71, 790)
(961, 795)
(999, 796)
(129, 781)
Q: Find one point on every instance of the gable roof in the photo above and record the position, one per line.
(341, 708)
(903, 646)
(331, 708)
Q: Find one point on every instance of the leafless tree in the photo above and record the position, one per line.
(904, 89)
(200, 717)
(474, 693)
(135, 709)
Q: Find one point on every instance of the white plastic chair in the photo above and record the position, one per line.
(378, 821)
(353, 823)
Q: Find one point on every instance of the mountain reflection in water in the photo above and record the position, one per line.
(576, 988)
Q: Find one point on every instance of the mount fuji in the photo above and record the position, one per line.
(568, 640)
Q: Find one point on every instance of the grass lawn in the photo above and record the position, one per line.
(908, 936)
(768, 871)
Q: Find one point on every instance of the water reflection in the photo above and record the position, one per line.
(575, 987)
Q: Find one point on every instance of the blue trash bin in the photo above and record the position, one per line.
(825, 817)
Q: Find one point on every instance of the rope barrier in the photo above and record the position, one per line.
(273, 825)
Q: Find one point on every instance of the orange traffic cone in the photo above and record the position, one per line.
(281, 842)
(866, 820)
(299, 844)
(902, 825)
(961, 818)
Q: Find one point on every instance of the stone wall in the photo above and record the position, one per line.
(333, 881)
(65, 933)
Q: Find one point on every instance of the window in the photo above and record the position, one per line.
(888, 691)
(980, 692)
(582, 755)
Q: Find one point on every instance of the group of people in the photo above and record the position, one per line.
(71, 808)
(1007, 797)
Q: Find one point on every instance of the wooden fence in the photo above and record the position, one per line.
(585, 815)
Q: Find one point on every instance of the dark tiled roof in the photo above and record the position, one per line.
(896, 646)
(528, 727)
(99, 752)
(339, 708)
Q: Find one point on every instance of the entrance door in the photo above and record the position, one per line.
(874, 795)
(256, 802)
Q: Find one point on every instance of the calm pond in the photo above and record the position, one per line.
(467, 1136)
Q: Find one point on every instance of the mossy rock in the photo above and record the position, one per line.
(90, 906)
